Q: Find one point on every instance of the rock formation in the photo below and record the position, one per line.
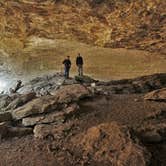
(129, 24)
(57, 116)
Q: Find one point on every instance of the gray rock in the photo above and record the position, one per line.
(4, 101)
(53, 117)
(5, 116)
(70, 93)
(43, 85)
(21, 100)
(37, 106)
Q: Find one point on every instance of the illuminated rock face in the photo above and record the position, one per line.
(130, 23)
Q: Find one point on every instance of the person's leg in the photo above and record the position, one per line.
(81, 70)
(68, 69)
(65, 72)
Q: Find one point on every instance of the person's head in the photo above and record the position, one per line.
(68, 57)
(79, 54)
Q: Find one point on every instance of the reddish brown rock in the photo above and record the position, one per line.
(109, 144)
(37, 106)
(157, 95)
(21, 100)
(69, 93)
(56, 117)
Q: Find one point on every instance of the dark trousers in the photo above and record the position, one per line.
(67, 70)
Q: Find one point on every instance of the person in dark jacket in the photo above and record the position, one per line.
(67, 66)
(79, 63)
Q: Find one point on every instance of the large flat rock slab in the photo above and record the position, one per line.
(37, 106)
(157, 95)
(56, 117)
(65, 95)
(43, 85)
(71, 93)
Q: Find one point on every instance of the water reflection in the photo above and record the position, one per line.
(3, 85)
(100, 63)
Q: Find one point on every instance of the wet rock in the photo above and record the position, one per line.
(37, 106)
(157, 95)
(5, 116)
(109, 144)
(54, 117)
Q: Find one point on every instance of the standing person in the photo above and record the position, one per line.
(67, 66)
(79, 63)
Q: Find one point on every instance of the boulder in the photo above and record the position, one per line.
(65, 95)
(109, 144)
(157, 95)
(54, 117)
(21, 100)
(37, 106)
(70, 93)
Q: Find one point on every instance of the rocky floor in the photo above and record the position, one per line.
(85, 122)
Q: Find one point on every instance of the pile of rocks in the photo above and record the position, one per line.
(142, 84)
(29, 110)
(48, 115)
